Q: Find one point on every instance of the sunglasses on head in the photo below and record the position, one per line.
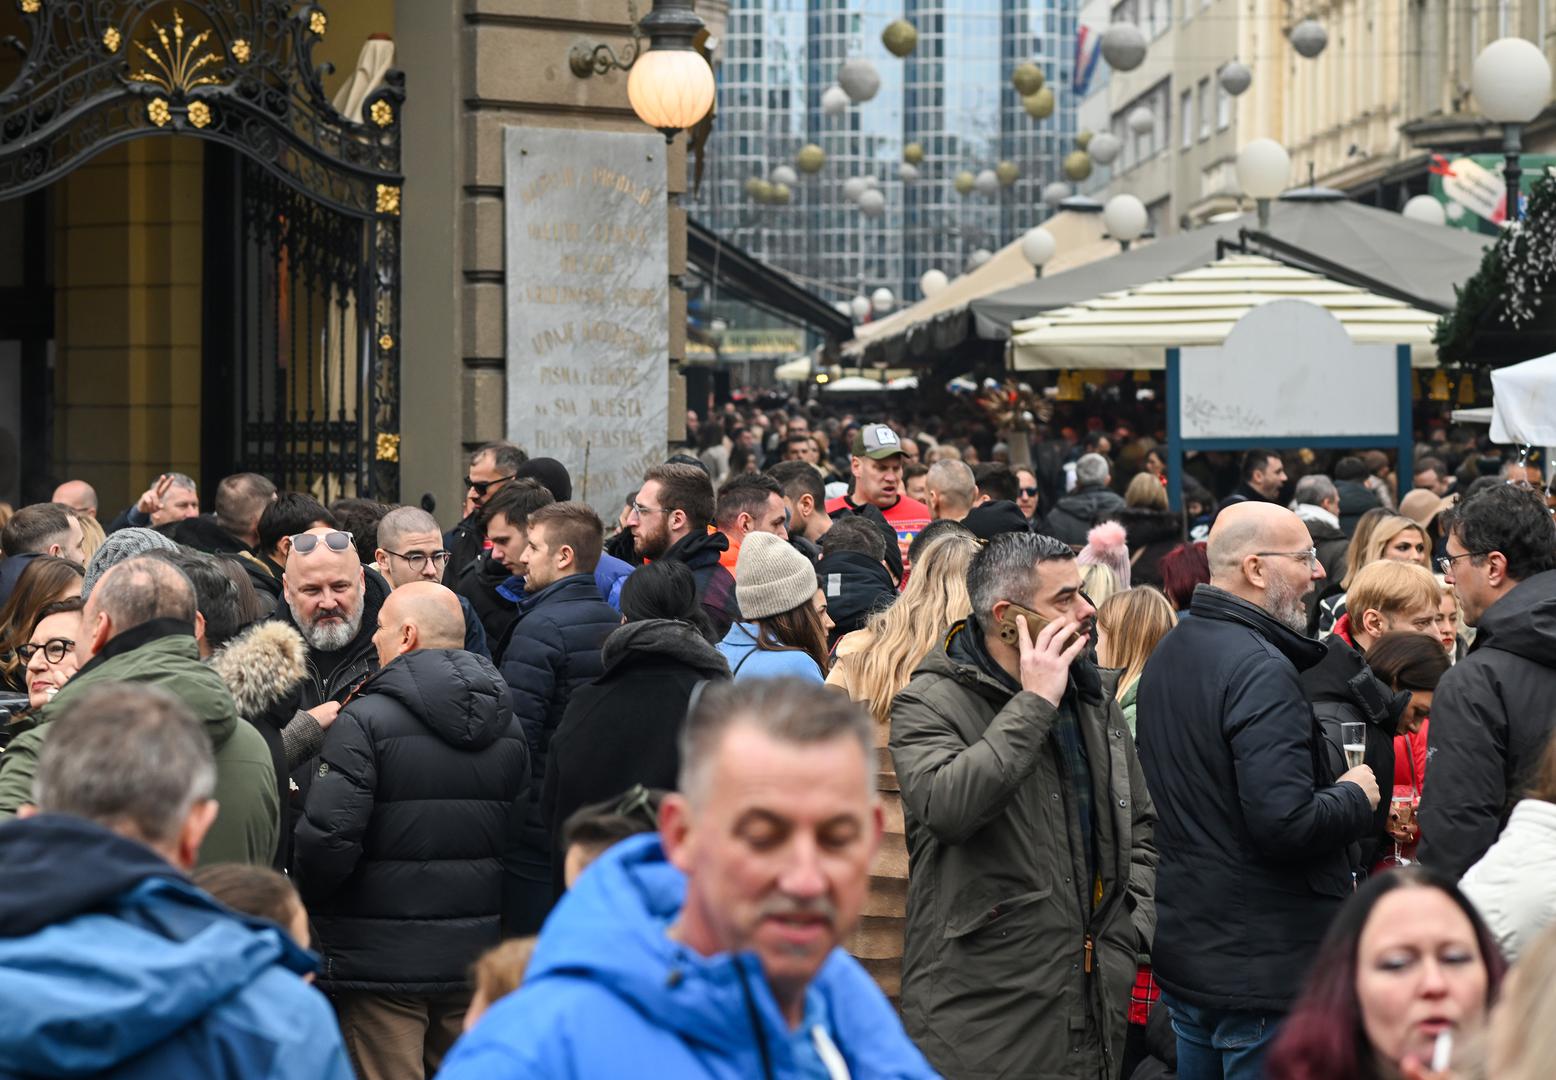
(480, 486)
(303, 543)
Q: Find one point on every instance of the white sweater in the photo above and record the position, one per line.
(1514, 884)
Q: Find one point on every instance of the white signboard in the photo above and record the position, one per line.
(1288, 369)
(587, 279)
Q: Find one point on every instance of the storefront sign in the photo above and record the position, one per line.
(1473, 192)
(586, 274)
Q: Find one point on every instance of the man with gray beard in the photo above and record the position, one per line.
(1252, 825)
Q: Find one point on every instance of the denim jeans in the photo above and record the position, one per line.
(1220, 1044)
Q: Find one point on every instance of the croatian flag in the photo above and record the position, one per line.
(1087, 51)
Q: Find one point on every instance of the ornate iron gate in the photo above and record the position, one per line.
(312, 382)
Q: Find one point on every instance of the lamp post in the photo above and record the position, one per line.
(1126, 218)
(1263, 168)
(669, 84)
(1037, 247)
(1511, 82)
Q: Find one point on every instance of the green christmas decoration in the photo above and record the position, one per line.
(913, 153)
(810, 158)
(900, 37)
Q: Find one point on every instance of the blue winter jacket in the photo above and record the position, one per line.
(609, 994)
(749, 662)
(113, 965)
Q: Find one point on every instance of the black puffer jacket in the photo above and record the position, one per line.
(609, 740)
(856, 586)
(554, 649)
(1077, 512)
(1491, 720)
(1253, 831)
(398, 854)
(1150, 534)
(995, 517)
(1355, 500)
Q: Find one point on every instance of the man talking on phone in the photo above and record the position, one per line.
(1032, 870)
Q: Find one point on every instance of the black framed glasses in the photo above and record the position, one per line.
(53, 650)
(1310, 556)
(1445, 562)
(480, 486)
(418, 559)
(304, 543)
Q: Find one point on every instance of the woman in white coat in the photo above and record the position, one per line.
(1514, 884)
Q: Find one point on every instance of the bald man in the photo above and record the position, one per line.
(428, 760)
(79, 495)
(1253, 827)
(952, 490)
(410, 549)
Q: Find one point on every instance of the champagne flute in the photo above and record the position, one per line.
(1353, 738)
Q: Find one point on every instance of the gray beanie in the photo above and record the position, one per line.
(771, 577)
(122, 545)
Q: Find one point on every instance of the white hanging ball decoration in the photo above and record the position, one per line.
(859, 306)
(1424, 208)
(907, 171)
(843, 308)
(986, 183)
(872, 181)
(1123, 46)
(834, 101)
(872, 203)
(882, 301)
(1105, 147)
(859, 80)
(785, 174)
(854, 187)
(1142, 120)
(1038, 246)
(1056, 192)
(1125, 217)
(931, 282)
(1309, 37)
(1236, 78)
(979, 257)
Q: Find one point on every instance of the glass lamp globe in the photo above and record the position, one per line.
(1125, 218)
(882, 301)
(932, 282)
(1263, 169)
(860, 306)
(1038, 246)
(1511, 81)
(670, 89)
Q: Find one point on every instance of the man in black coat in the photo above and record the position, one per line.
(1089, 503)
(853, 575)
(398, 852)
(670, 520)
(491, 466)
(1253, 828)
(1492, 716)
(554, 649)
(1263, 474)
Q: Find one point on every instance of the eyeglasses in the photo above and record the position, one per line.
(1310, 556)
(643, 511)
(304, 543)
(1445, 563)
(53, 650)
(418, 559)
(480, 486)
(1029, 492)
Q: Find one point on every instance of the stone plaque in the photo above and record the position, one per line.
(587, 273)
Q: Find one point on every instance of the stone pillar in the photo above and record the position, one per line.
(471, 70)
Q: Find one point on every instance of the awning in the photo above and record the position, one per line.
(1521, 400)
(1377, 250)
(1133, 328)
(734, 271)
(796, 370)
(919, 330)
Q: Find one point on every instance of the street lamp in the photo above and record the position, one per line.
(860, 306)
(1126, 218)
(882, 301)
(1037, 247)
(1263, 168)
(669, 84)
(931, 282)
(1511, 81)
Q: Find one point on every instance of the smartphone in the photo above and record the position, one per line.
(1010, 631)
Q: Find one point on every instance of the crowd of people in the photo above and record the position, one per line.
(844, 748)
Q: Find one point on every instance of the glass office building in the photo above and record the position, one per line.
(952, 95)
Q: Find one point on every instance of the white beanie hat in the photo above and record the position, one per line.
(771, 577)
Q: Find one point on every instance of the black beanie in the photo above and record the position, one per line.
(551, 474)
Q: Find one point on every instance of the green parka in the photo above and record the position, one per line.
(1010, 968)
(163, 653)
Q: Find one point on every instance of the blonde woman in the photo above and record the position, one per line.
(1449, 626)
(1130, 625)
(872, 665)
(1393, 537)
(92, 535)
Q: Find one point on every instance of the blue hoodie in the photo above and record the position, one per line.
(608, 993)
(112, 964)
(609, 577)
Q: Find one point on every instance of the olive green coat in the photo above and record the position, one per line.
(248, 822)
(994, 975)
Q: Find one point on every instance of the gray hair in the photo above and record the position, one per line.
(786, 710)
(955, 480)
(1315, 490)
(240, 500)
(128, 756)
(141, 589)
(1002, 570)
(402, 520)
(506, 457)
(182, 480)
(1092, 470)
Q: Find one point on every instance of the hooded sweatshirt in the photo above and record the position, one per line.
(608, 993)
(113, 965)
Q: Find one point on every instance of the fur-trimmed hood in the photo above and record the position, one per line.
(262, 666)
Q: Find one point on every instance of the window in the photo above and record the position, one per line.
(1205, 106)
(1186, 118)
(1223, 106)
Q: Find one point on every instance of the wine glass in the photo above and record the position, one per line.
(1402, 812)
(1353, 738)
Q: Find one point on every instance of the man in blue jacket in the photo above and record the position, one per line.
(712, 949)
(111, 963)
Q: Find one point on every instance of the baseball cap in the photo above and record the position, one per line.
(876, 441)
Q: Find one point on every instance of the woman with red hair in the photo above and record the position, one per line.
(1182, 569)
(1407, 967)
